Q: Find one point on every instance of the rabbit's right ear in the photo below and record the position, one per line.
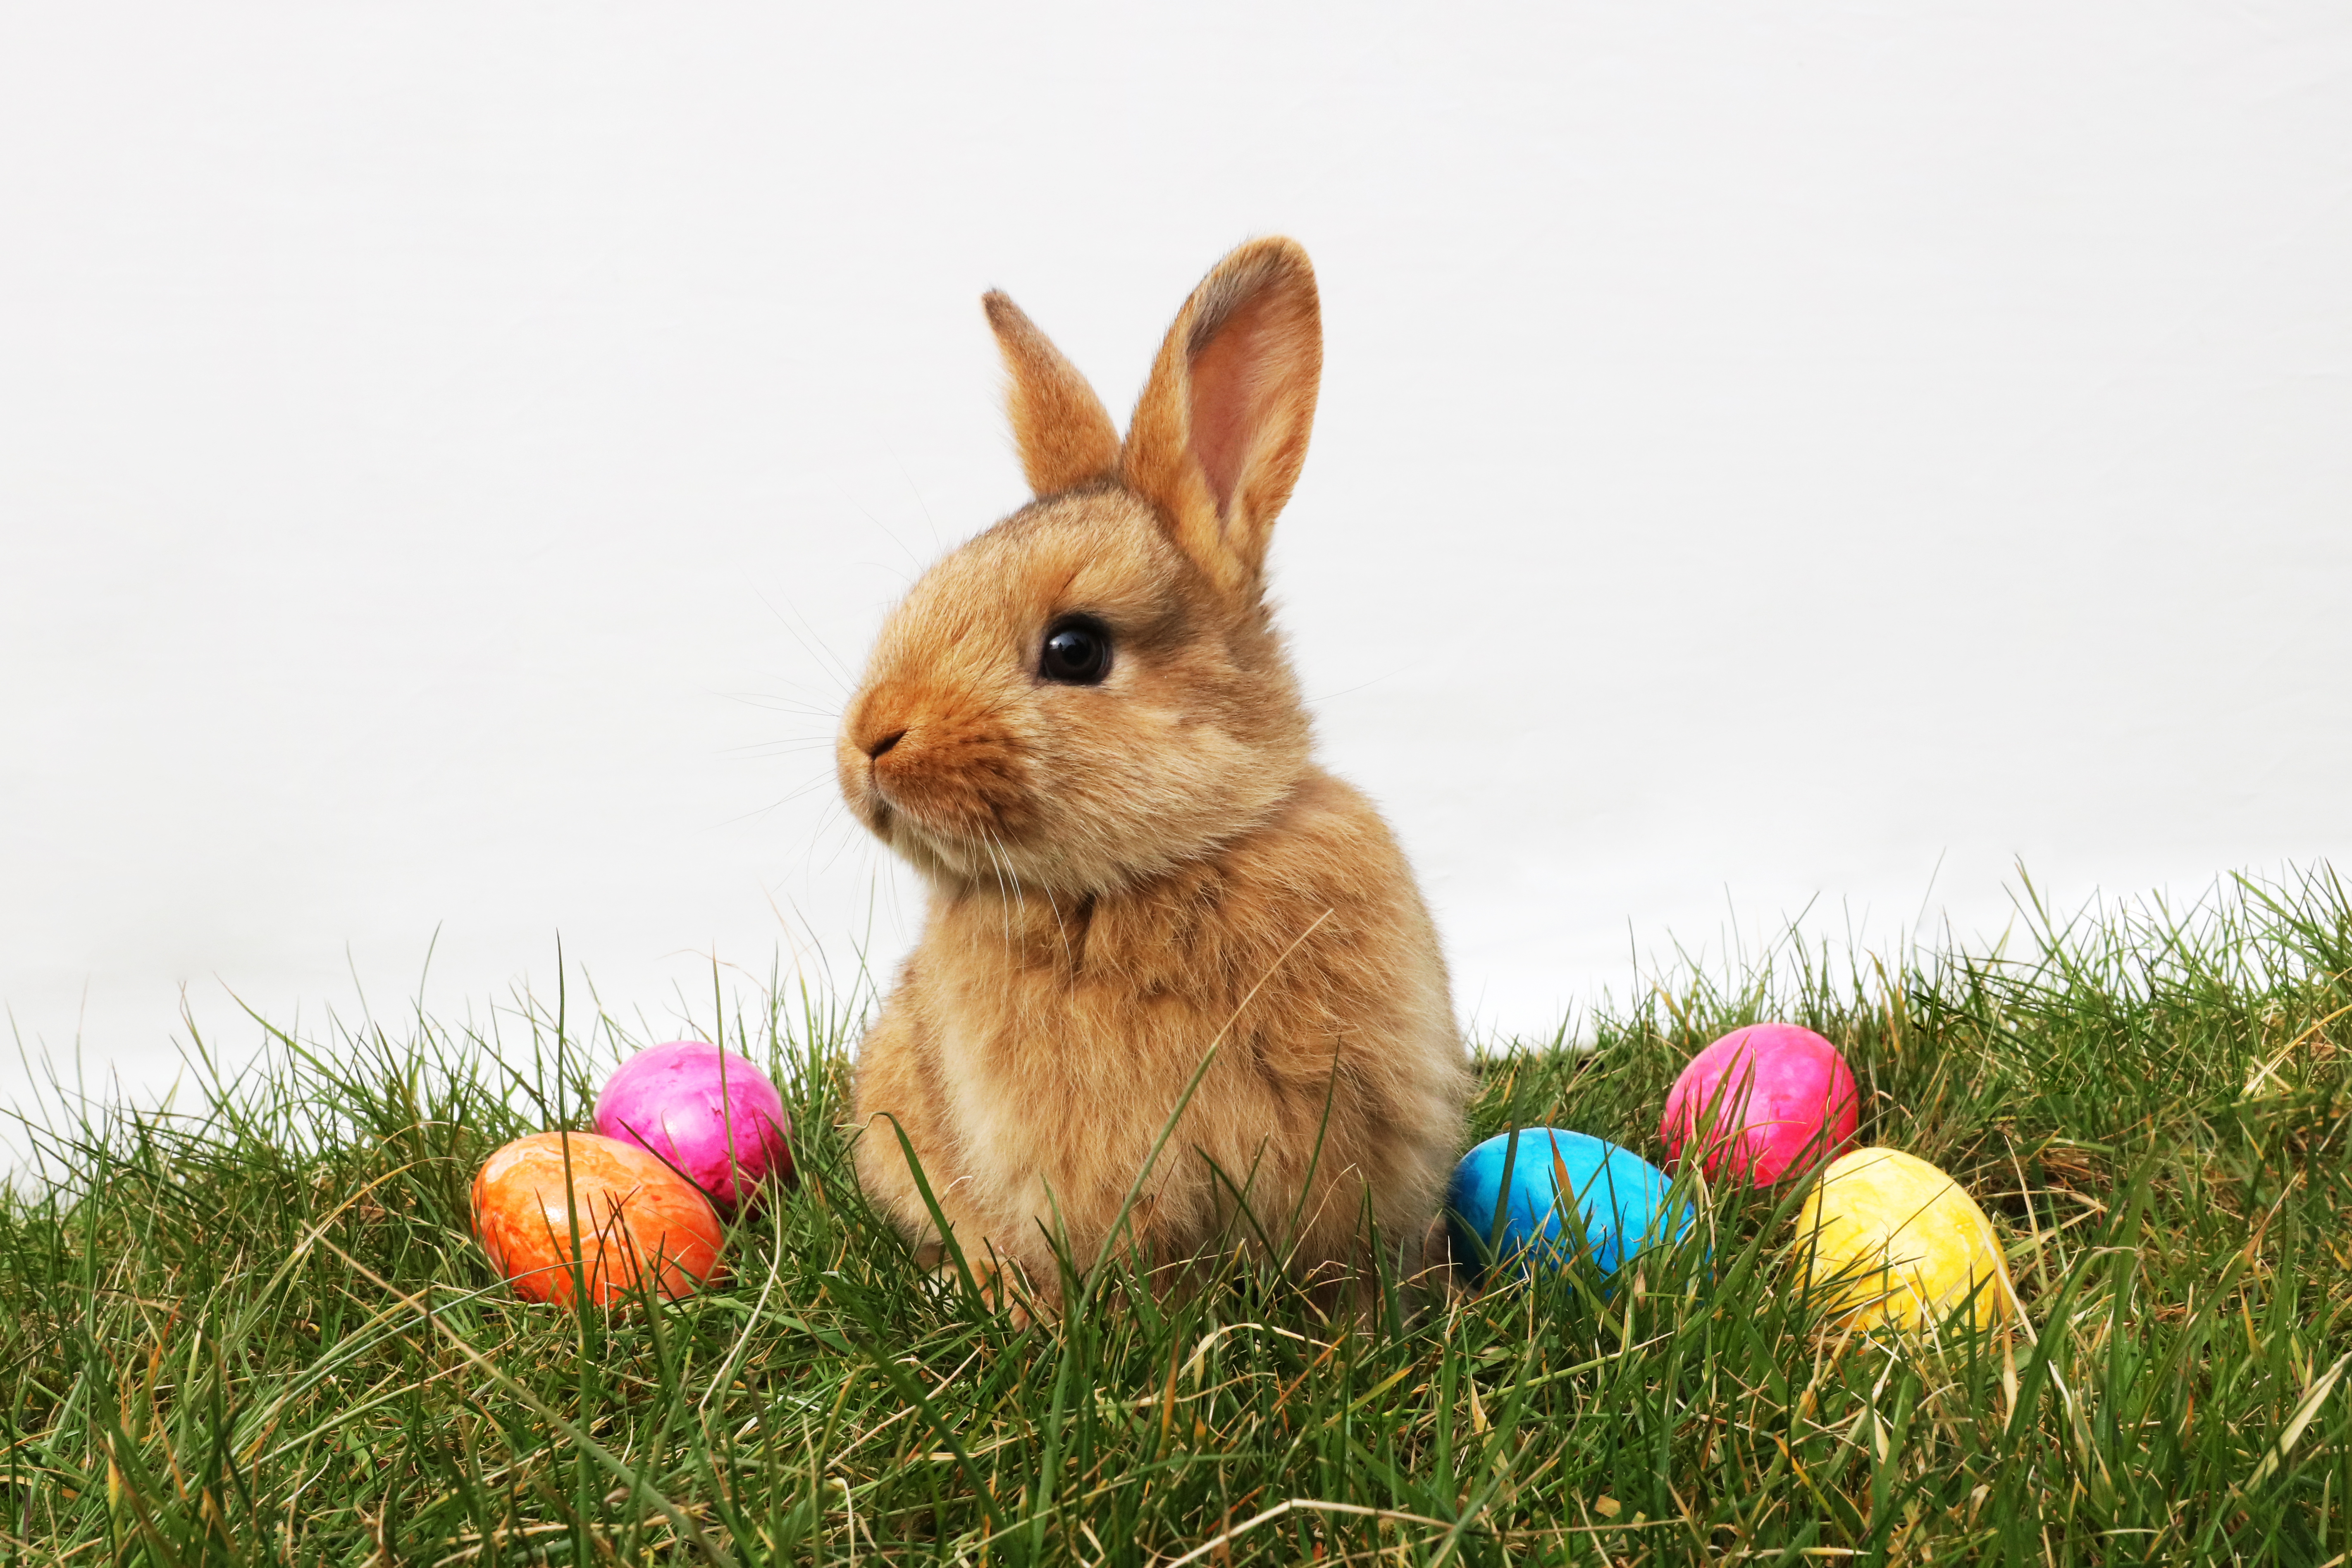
(1065, 438)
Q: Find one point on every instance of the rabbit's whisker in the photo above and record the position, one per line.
(1062, 930)
(1004, 894)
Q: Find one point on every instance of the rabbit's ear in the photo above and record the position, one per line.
(1220, 431)
(1065, 438)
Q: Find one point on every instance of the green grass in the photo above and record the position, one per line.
(257, 1330)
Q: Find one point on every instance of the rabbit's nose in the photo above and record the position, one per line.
(881, 743)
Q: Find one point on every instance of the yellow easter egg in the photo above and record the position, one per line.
(1889, 1239)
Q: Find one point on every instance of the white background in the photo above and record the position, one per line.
(448, 454)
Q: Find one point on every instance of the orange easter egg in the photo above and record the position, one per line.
(635, 1218)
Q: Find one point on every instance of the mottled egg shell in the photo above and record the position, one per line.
(1888, 1238)
(1762, 1101)
(709, 1113)
(1618, 1198)
(635, 1218)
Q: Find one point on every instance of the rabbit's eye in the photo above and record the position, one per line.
(1077, 652)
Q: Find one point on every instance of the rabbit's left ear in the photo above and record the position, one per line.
(1220, 431)
(1065, 438)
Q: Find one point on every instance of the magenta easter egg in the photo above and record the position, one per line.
(710, 1113)
(1771, 1098)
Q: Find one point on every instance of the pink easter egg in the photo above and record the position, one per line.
(1772, 1097)
(710, 1113)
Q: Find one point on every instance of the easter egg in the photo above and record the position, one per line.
(1616, 1195)
(635, 1218)
(706, 1112)
(1889, 1239)
(1763, 1101)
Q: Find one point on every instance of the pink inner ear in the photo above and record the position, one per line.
(1228, 396)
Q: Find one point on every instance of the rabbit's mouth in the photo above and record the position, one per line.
(950, 856)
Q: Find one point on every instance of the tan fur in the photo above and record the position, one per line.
(1060, 427)
(1220, 433)
(1122, 875)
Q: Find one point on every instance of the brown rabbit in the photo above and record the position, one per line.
(1081, 729)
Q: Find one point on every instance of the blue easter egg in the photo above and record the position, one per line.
(1617, 1194)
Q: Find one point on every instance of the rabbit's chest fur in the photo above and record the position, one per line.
(1036, 1047)
(1065, 1040)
